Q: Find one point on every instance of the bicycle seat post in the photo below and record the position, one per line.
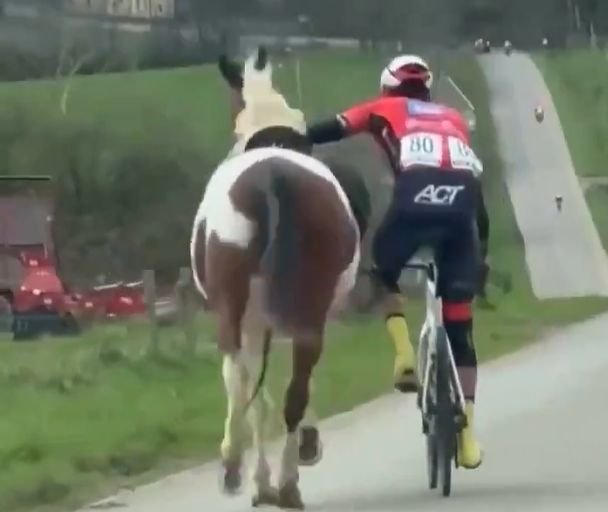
(425, 260)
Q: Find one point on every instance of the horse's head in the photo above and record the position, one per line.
(263, 107)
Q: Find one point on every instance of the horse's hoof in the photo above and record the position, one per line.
(311, 448)
(290, 498)
(233, 480)
(269, 496)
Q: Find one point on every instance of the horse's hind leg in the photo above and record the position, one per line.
(234, 374)
(311, 447)
(306, 353)
(232, 445)
(258, 417)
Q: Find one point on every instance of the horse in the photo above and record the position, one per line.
(275, 249)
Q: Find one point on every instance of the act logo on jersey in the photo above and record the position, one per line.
(442, 195)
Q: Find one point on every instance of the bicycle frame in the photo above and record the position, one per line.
(427, 346)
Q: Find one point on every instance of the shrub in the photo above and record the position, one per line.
(123, 203)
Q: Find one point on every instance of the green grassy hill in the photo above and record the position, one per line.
(191, 99)
(578, 81)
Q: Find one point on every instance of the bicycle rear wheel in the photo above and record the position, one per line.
(445, 426)
(432, 460)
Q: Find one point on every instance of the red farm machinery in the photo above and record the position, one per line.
(33, 298)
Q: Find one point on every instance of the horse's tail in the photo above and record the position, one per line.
(262, 376)
(279, 260)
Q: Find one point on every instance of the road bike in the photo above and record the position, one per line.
(440, 397)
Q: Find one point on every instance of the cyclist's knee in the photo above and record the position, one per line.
(458, 322)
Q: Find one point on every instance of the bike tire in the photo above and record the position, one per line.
(428, 422)
(445, 428)
(432, 460)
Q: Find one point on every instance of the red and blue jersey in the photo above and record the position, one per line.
(415, 133)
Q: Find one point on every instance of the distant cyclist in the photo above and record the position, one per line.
(558, 202)
(539, 113)
(436, 202)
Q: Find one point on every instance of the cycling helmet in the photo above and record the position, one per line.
(403, 71)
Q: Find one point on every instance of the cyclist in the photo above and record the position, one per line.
(539, 113)
(436, 199)
(558, 202)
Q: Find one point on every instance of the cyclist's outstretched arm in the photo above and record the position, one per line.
(350, 122)
(329, 130)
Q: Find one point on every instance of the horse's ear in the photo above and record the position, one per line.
(231, 71)
(262, 59)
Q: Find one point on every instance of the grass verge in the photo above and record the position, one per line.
(578, 82)
(81, 417)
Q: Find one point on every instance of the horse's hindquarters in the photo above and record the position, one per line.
(314, 251)
(282, 217)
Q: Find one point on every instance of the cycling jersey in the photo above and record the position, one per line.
(424, 141)
(415, 133)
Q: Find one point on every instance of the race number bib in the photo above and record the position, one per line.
(462, 156)
(421, 149)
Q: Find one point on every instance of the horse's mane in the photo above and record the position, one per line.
(264, 106)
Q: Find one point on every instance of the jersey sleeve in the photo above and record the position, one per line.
(356, 119)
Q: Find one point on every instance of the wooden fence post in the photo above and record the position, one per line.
(184, 307)
(150, 299)
(6, 316)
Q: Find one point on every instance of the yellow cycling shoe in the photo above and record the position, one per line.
(405, 356)
(470, 455)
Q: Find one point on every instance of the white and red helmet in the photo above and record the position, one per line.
(403, 68)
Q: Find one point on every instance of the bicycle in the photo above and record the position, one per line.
(440, 398)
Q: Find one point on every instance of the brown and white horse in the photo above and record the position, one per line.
(275, 247)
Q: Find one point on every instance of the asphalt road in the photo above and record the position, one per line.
(564, 254)
(542, 419)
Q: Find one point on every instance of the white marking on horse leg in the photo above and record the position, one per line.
(258, 415)
(235, 384)
(289, 461)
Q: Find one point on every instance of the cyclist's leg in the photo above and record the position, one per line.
(394, 244)
(458, 269)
